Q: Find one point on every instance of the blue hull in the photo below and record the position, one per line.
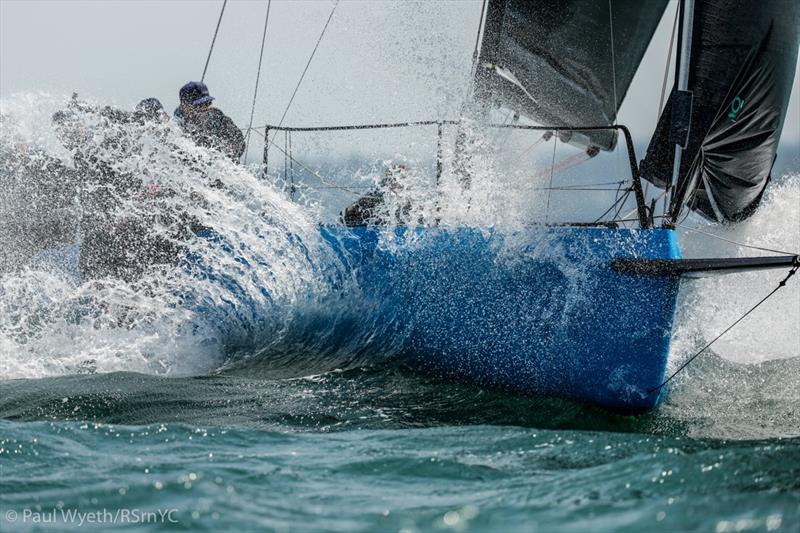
(537, 312)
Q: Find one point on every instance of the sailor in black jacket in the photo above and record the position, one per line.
(208, 126)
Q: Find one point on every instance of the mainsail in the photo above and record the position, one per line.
(564, 62)
(742, 63)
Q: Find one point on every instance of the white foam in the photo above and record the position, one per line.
(709, 305)
(50, 324)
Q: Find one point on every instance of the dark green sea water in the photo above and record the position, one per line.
(385, 449)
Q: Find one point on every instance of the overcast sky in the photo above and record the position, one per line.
(378, 61)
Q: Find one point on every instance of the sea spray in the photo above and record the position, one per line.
(711, 303)
(262, 264)
(274, 280)
(747, 385)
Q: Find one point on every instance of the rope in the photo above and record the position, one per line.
(615, 204)
(578, 188)
(568, 163)
(258, 77)
(602, 184)
(552, 172)
(213, 40)
(530, 148)
(760, 248)
(628, 192)
(355, 191)
(470, 83)
(303, 75)
(704, 348)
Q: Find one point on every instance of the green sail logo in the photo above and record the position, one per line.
(736, 105)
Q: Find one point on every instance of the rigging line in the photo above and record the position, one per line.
(589, 187)
(286, 162)
(291, 163)
(213, 40)
(619, 200)
(630, 219)
(574, 189)
(622, 203)
(470, 86)
(669, 60)
(530, 148)
(664, 83)
(352, 190)
(258, 77)
(308, 63)
(480, 32)
(566, 164)
(704, 348)
(686, 216)
(656, 199)
(552, 171)
(614, 76)
(687, 228)
(613, 58)
(585, 187)
(617, 182)
(607, 211)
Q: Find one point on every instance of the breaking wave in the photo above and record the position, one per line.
(261, 268)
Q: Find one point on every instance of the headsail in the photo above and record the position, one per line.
(742, 64)
(564, 62)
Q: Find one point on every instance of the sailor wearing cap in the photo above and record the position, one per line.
(207, 125)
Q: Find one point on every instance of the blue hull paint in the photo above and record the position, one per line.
(538, 311)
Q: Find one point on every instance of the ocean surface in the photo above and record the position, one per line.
(385, 449)
(122, 407)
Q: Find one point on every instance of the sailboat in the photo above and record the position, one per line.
(601, 336)
(583, 311)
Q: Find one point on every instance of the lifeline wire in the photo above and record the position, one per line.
(352, 190)
(213, 40)
(258, 77)
(704, 348)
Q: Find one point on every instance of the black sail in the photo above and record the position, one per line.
(564, 62)
(742, 65)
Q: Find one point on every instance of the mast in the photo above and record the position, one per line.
(684, 97)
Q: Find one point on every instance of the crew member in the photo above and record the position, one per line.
(117, 241)
(372, 208)
(206, 125)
